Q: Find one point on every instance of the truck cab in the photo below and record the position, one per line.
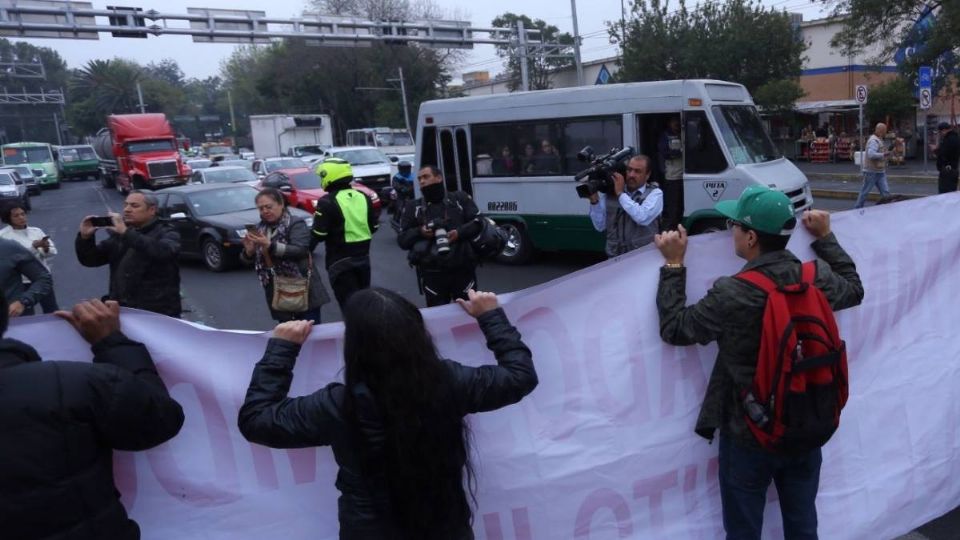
(140, 151)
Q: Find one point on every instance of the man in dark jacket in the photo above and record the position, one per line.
(17, 263)
(59, 422)
(446, 265)
(731, 313)
(142, 253)
(948, 159)
(345, 221)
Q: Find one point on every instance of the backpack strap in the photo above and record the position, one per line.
(808, 272)
(758, 279)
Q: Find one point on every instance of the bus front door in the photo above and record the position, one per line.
(455, 159)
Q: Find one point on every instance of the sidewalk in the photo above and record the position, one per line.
(842, 180)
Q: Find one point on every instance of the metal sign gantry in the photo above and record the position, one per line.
(79, 20)
(42, 97)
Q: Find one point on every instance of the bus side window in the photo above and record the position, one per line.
(702, 153)
(428, 148)
(601, 134)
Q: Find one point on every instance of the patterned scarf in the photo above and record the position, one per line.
(278, 234)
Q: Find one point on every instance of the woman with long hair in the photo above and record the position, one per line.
(280, 246)
(396, 424)
(35, 240)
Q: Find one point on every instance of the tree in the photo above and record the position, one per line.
(892, 100)
(539, 62)
(913, 32)
(33, 122)
(778, 97)
(100, 88)
(739, 41)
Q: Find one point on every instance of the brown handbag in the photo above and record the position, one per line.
(290, 294)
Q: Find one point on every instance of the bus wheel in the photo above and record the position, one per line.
(519, 248)
(709, 226)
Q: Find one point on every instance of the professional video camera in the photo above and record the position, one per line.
(599, 175)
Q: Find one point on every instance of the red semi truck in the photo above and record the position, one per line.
(139, 151)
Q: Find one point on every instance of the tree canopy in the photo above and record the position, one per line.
(539, 65)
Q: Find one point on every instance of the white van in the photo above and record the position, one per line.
(484, 145)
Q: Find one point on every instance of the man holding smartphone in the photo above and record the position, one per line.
(141, 251)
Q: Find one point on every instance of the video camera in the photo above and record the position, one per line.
(599, 175)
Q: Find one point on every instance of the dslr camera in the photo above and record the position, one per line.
(598, 177)
(440, 237)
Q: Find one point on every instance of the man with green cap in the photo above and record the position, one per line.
(732, 314)
(345, 221)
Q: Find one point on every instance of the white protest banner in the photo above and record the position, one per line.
(604, 447)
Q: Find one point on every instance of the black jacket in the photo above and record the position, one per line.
(949, 151)
(143, 266)
(456, 211)
(59, 422)
(271, 418)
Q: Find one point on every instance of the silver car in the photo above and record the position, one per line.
(29, 177)
(12, 188)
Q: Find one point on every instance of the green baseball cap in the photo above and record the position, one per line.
(762, 209)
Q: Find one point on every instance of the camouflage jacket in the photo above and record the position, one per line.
(731, 314)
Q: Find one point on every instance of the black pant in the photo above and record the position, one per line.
(444, 286)
(672, 204)
(947, 181)
(349, 281)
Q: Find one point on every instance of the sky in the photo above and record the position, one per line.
(203, 59)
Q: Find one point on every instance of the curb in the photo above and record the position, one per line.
(852, 195)
(855, 177)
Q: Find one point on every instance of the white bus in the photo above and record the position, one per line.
(493, 148)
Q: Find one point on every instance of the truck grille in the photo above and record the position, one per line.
(162, 169)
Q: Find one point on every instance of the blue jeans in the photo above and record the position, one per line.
(871, 179)
(745, 475)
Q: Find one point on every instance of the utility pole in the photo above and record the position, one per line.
(233, 118)
(143, 109)
(522, 43)
(56, 126)
(403, 96)
(576, 43)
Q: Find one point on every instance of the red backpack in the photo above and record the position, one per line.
(800, 386)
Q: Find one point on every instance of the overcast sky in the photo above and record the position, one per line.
(203, 60)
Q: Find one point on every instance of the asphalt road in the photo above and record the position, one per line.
(235, 299)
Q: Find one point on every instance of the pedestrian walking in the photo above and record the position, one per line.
(874, 167)
(35, 241)
(279, 248)
(736, 314)
(948, 159)
(397, 423)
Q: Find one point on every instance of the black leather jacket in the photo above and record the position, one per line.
(270, 418)
(59, 422)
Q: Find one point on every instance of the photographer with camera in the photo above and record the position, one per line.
(630, 212)
(435, 230)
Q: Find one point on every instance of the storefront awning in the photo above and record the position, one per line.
(816, 107)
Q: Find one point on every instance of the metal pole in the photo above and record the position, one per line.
(576, 43)
(403, 96)
(56, 125)
(233, 118)
(925, 144)
(863, 152)
(522, 42)
(143, 109)
(623, 27)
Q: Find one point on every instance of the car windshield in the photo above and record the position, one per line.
(217, 150)
(310, 150)
(246, 164)
(223, 201)
(277, 164)
(744, 134)
(27, 154)
(6, 180)
(362, 157)
(306, 180)
(23, 171)
(216, 175)
(161, 145)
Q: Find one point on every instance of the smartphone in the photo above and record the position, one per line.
(250, 228)
(101, 221)
(45, 238)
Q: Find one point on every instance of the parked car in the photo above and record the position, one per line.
(370, 167)
(263, 167)
(245, 163)
(29, 177)
(79, 161)
(211, 220)
(301, 188)
(247, 154)
(223, 175)
(13, 188)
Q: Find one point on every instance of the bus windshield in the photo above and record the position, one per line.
(744, 134)
(27, 154)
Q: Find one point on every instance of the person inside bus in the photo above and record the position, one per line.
(528, 160)
(631, 214)
(547, 161)
(506, 164)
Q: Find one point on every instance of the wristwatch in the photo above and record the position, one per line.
(673, 265)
